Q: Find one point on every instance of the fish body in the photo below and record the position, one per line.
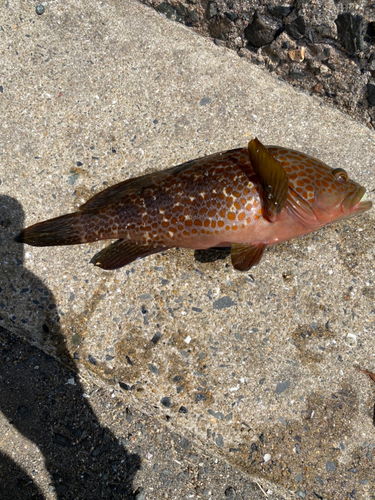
(246, 199)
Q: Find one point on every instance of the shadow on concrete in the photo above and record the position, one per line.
(211, 254)
(44, 399)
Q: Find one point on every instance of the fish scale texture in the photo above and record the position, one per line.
(193, 207)
(214, 201)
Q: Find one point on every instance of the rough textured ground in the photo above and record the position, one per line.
(84, 442)
(257, 370)
(326, 48)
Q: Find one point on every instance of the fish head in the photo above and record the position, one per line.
(338, 197)
(318, 193)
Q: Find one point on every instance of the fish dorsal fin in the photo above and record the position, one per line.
(115, 192)
(135, 185)
(272, 177)
(123, 252)
(246, 256)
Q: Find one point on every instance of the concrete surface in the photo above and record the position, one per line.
(325, 47)
(257, 368)
(64, 437)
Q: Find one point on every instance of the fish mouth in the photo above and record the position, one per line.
(357, 202)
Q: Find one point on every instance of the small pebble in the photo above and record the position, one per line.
(230, 493)
(219, 440)
(140, 496)
(166, 401)
(297, 55)
(283, 421)
(39, 9)
(231, 15)
(223, 303)
(351, 340)
(153, 369)
(145, 296)
(282, 386)
(204, 101)
(199, 397)
(124, 386)
(216, 414)
(155, 339)
(330, 466)
(92, 360)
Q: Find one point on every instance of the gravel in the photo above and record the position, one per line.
(338, 40)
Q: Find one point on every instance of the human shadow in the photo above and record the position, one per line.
(43, 399)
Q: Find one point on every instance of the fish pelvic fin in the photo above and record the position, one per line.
(246, 256)
(272, 177)
(64, 230)
(123, 252)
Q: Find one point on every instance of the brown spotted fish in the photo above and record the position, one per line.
(246, 199)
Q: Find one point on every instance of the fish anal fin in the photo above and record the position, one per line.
(246, 256)
(123, 252)
(272, 178)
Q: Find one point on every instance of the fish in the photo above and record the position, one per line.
(247, 199)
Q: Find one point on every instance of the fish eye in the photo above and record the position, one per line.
(340, 175)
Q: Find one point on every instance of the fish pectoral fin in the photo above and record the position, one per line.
(272, 177)
(123, 252)
(302, 209)
(246, 256)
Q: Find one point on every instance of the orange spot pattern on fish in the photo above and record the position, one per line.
(217, 200)
(196, 198)
(309, 177)
(204, 198)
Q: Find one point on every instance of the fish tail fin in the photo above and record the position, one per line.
(65, 230)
